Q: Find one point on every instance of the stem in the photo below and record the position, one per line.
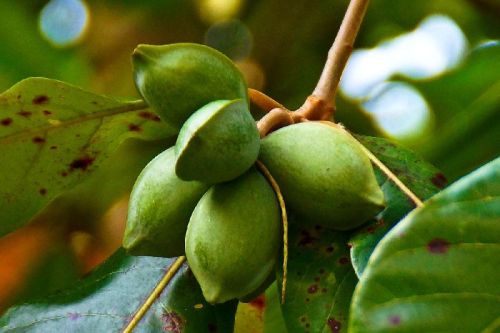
(263, 101)
(274, 119)
(339, 53)
(154, 294)
(321, 104)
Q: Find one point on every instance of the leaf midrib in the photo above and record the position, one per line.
(128, 107)
(59, 317)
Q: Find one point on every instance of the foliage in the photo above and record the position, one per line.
(66, 159)
(108, 299)
(425, 273)
(52, 135)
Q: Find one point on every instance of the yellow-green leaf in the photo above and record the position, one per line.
(53, 135)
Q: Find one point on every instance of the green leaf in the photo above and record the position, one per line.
(273, 318)
(422, 178)
(437, 270)
(53, 135)
(467, 103)
(320, 280)
(184, 301)
(107, 300)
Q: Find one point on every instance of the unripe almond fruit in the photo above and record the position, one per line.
(233, 237)
(323, 173)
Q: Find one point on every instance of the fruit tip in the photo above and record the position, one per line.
(141, 54)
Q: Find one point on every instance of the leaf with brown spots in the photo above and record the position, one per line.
(320, 279)
(437, 270)
(106, 300)
(414, 172)
(53, 135)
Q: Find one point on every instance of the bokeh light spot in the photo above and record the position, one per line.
(253, 73)
(434, 47)
(212, 11)
(437, 45)
(64, 22)
(400, 110)
(366, 69)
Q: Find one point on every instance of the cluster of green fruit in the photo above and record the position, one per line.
(205, 198)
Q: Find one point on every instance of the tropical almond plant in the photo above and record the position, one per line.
(329, 230)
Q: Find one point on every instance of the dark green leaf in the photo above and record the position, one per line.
(52, 135)
(107, 300)
(320, 280)
(183, 307)
(421, 177)
(437, 270)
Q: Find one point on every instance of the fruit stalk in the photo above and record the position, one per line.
(263, 101)
(284, 220)
(169, 274)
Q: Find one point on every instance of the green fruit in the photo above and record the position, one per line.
(323, 173)
(233, 237)
(219, 142)
(178, 79)
(159, 209)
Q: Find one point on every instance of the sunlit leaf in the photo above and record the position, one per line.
(53, 135)
(437, 270)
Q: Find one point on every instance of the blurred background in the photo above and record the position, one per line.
(424, 73)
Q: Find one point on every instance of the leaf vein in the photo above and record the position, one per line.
(59, 317)
(128, 107)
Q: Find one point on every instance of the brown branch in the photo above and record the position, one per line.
(339, 53)
(313, 109)
(320, 105)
